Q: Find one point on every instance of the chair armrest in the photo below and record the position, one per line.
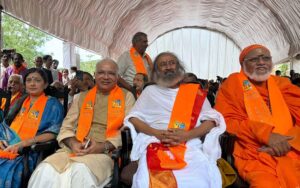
(126, 147)
(43, 146)
(227, 144)
(116, 154)
(39, 147)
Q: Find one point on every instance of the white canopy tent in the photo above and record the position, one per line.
(196, 47)
(106, 26)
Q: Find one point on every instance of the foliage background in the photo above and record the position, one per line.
(22, 37)
(88, 66)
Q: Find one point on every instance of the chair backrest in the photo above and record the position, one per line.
(5, 95)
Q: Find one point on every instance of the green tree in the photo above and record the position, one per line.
(22, 37)
(88, 66)
(284, 68)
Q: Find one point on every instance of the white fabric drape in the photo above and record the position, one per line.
(205, 53)
(106, 27)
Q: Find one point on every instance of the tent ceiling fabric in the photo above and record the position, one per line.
(107, 26)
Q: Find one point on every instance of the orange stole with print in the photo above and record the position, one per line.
(138, 61)
(27, 122)
(115, 113)
(277, 116)
(185, 112)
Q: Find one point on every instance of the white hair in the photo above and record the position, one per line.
(110, 61)
(17, 76)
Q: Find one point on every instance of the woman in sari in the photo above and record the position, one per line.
(34, 118)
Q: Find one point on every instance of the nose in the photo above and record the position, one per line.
(169, 66)
(261, 61)
(106, 75)
(31, 83)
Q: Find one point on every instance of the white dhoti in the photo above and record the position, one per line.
(78, 175)
(154, 107)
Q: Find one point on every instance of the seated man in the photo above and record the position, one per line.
(166, 124)
(89, 132)
(139, 81)
(15, 85)
(263, 111)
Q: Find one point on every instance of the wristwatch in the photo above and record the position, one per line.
(106, 148)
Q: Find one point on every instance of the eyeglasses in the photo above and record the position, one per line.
(164, 64)
(257, 59)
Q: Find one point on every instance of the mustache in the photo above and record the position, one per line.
(169, 72)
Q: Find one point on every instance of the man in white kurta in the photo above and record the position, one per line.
(91, 166)
(154, 108)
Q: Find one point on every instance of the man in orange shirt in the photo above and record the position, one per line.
(263, 111)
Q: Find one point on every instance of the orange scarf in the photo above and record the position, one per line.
(186, 109)
(115, 114)
(257, 109)
(138, 61)
(12, 100)
(185, 113)
(18, 70)
(27, 122)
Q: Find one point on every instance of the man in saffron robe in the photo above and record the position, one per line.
(136, 60)
(263, 111)
(166, 124)
(89, 132)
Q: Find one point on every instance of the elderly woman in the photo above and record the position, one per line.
(34, 118)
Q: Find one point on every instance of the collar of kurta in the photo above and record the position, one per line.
(115, 113)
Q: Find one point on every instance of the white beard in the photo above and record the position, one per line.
(165, 81)
(257, 77)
